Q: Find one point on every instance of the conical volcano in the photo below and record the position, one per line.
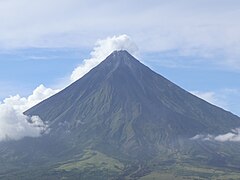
(124, 121)
(123, 103)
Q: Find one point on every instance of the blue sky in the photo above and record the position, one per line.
(22, 70)
(195, 44)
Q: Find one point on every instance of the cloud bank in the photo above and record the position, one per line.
(102, 49)
(14, 125)
(201, 27)
(233, 136)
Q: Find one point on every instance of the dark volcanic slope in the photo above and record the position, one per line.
(125, 104)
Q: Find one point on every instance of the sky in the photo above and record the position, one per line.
(46, 45)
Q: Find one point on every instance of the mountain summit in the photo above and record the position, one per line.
(126, 114)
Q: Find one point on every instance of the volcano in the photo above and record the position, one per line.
(124, 121)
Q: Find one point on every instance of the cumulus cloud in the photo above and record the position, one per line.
(233, 136)
(101, 50)
(14, 124)
(23, 103)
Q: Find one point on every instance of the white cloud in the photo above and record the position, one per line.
(102, 49)
(14, 124)
(205, 28)
(22, 103)
(233, 136)
(202, 137)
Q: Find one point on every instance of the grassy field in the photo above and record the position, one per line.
(93, 159)
(185, 171)
(92, 165)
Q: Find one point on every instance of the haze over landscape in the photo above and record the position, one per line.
(89, 91)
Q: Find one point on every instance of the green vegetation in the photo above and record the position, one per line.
(93, 160)
(184, 171)
(158, 175)
(94, 165)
